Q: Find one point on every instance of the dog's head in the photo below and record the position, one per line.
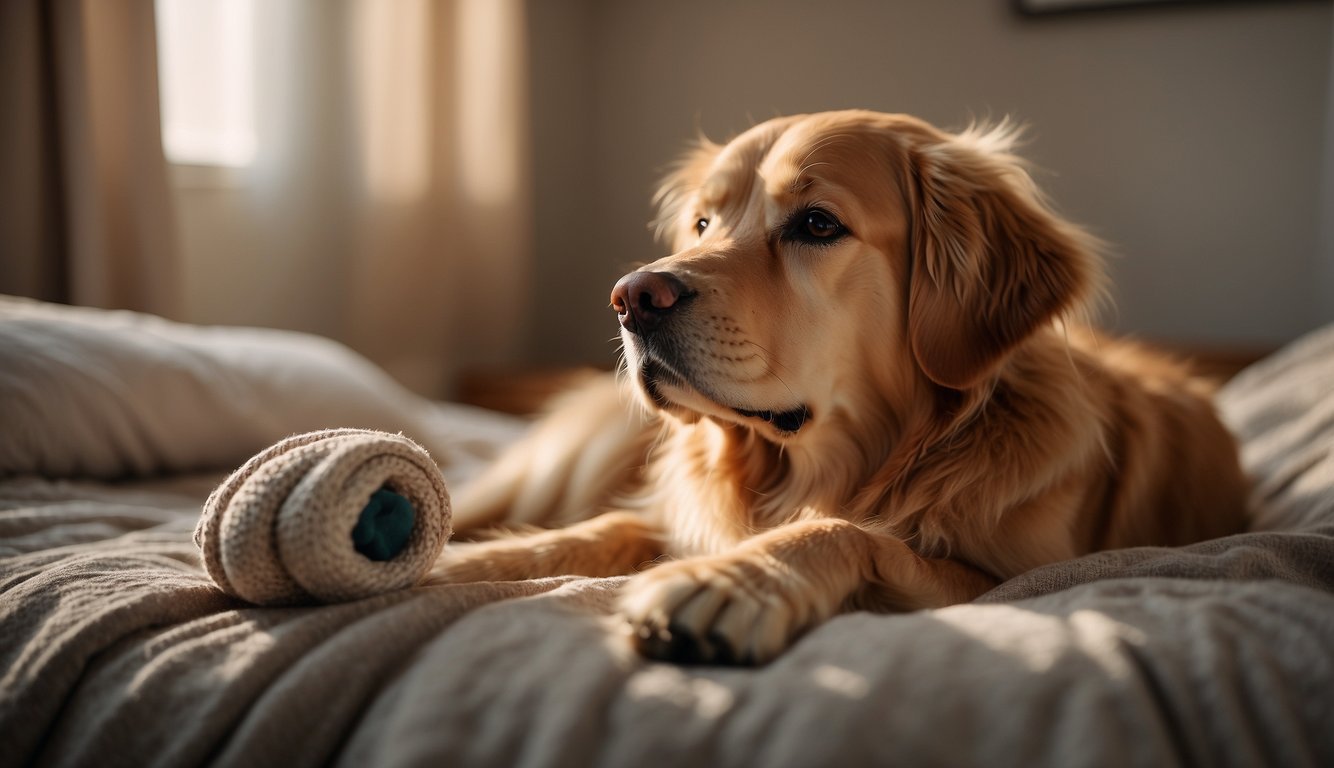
(828, 264)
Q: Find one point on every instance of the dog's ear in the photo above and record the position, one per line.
(678, 188)
(990, 262)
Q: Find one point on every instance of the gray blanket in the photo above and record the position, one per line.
(117, 649)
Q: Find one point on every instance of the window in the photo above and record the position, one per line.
(206, 81)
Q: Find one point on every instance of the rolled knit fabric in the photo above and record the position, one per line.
(279, 530)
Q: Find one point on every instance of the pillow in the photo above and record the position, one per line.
(1282, 412)
(108, 394)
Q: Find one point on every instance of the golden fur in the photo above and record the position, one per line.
(866, 387)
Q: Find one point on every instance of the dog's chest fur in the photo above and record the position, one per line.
(716, 485)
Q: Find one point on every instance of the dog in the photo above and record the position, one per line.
(864, 381)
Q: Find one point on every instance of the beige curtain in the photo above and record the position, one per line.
(388, 204)
(439, 266)
(85, 209)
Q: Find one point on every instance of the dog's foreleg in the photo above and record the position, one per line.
(611, 544)
(748, 605)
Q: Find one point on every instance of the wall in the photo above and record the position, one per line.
(1323, 259)
(1189, 137)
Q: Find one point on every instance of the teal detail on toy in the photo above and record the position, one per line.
(384, 526)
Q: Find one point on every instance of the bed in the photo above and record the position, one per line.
(119, 650)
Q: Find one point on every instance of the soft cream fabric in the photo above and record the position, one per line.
(278, 530)
(92, 393)
(388, 202)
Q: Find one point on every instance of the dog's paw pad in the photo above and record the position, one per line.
(703, 612)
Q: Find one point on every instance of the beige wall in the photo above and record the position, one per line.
(1191, 138)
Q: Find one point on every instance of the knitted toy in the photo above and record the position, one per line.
(327, 516)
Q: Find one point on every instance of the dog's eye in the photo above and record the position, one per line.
(822, 225)
(701, 225)
(814, 226)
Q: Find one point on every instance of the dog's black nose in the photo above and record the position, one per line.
(642, 300)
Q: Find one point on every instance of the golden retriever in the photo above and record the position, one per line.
(864, 388)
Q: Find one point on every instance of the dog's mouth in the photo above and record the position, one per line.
(783, 421)
(654, 375)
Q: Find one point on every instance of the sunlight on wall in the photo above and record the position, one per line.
(206, 71)
(392, 97)
(490, 56)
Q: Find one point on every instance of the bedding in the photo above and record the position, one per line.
(118, 650)
(95, 394)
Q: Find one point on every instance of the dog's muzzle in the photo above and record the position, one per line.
(645, 302)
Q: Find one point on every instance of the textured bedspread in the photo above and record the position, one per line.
(117, 650)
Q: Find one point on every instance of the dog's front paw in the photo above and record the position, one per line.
(743, 609)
